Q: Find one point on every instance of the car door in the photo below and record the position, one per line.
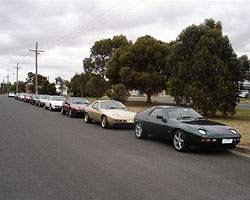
(94, 111)
(66, 105)
(157, 122)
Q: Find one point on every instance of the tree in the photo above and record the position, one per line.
(140, 65)
(21, 86)
(32, 79)
(245, 64)
(118, 92)
(96, 86)
(48, 88)
(101, 52)
(61, 83)
(78, 84)
(31, 88)
(205, 69)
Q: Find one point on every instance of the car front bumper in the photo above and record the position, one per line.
(214, 142)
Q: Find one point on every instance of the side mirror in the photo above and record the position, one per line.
(162, 118)
(159, 117)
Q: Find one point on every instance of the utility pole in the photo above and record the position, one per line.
(17, 68)
(3, 86)
(8, 76)
(36, 54)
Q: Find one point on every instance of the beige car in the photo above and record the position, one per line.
(109, 113)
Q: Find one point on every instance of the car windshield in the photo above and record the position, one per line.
(44, 96)
(36, 96)
(79, 101)
(183, 113)
(112, 105)
(57, 98)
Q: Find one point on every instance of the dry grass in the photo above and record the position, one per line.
(240, 121)
(244, 100)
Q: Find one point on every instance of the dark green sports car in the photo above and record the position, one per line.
(185, 127)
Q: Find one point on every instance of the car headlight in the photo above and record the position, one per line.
(202, 131)
(78, 108)
(115, 115)
(233, 131)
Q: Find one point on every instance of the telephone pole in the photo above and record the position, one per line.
(3, 86)
(17, 68)
(36, 54)
(8, 76)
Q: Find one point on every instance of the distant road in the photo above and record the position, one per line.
(48, 156)
(171, 100)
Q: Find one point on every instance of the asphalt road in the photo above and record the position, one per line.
(46, 155)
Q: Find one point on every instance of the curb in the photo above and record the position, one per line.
(242, 149)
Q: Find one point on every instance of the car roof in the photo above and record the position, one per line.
(167, 107)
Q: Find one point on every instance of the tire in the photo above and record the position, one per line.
(50, 108)
(180, 141)
(87, 118)
(104, 122)
(62, 111)
(140, 133)
(70, 113)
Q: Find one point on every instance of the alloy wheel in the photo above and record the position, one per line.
(104, 122)
(138, 130)
(179, 141)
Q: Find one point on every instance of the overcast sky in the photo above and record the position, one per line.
(66, 29)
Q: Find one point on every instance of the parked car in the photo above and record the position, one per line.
(41, 100)
(244, 94)
(185, 128)
(109, 113)
(27, 98)
(17, 96)
(54, 102)
(21, 97)
(33, 99)
(74, 106)
(11, 95)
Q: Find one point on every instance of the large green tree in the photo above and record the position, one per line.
(97, 86)
(140, 66)
(101, 52)
(205, 69)
(47, 88)
(78, 84)
(31, 78)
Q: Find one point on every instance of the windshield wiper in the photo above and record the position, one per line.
(111, 108)
(200, 118)
(185, 117)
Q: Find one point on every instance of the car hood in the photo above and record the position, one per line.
(212, 127)
(120, 112)
(81, 106)
(57, 102)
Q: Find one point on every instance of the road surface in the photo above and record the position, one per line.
(46, 155)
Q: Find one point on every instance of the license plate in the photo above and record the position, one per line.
(130, 121)
(227, 141)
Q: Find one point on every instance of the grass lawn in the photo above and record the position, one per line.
(244, 100)
(239, 121)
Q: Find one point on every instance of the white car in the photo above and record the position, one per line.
(11, 94)
(54, 102)
(244, 93)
